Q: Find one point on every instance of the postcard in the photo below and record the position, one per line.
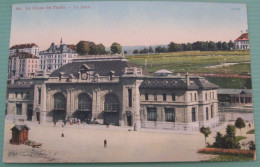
(95, 82)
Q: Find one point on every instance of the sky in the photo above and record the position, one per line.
(128, 23)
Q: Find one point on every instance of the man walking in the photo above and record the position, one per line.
(105, 143)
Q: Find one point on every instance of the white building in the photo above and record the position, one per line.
(242, 42)
(56, 56)
(23, 64)
(29, 48)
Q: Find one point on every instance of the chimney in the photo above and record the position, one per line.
(187, 79)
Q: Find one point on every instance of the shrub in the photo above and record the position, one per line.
(226, 151)
(251, 145)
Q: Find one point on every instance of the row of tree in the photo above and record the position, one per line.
(199, 45)
(90, 48)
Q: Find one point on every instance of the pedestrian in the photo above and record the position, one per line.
(62, 134)
(105, 143)
(54, 123)
(249, 125)
(107, 125)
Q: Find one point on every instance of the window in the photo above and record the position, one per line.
(146, 96)
(206, 96)
(207, 113)
(39, 95)
(173, 96)
(151, 114)
(111, 103)
(27, 94)
(59, 101)
(211, 109)
(129, 97)
(21, 94)
(155, 96)
(190, 96)
(16, 94)
(164, 97)
(193, 114)
(18, 109)
(212, 95)
(169, 114)
(85, 102)
(195, 96)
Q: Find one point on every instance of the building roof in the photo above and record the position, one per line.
(72, 46)
(25, 55)
(21, 84)
(243, 37)
(62, 48)
(234, 91)
(23, 46)
(102, 68)
(20, 127)
(177, 82)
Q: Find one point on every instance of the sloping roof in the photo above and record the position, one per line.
(73, 47)
(102, 68)
(20, 127)
(25, 55)
(177, 83)
(243, 37)
(234, 91)
(63, 48)
(23, 46)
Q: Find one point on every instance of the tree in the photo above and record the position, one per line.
(150, 50)
(116, 48)
(101, 49)
(212, 46)
(135, 51)
(231, 45)
(158, 49)
(206, 132)
(82, 47)
(240, 123)
(219, 45)
(225, 46)
(174, 47)
(93, 50)
(145, 50)
(231, 131)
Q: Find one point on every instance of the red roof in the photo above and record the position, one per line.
(72, 46)
(22, 46)
(243, 37)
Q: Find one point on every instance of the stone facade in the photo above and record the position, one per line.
(117, 92)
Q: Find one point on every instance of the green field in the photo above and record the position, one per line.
(195, 61)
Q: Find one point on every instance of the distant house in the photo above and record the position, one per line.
(19, 134)
(242, 42)
(22, 64)
(29, 48)
(235, 97)
(56, 56)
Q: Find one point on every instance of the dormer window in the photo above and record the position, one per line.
(111, 75)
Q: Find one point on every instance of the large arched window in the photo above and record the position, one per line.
(59, 101)
(111, 103)
(84, 103)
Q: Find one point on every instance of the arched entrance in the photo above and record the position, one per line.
(84, 112)
(111, 113)
(59, 112)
